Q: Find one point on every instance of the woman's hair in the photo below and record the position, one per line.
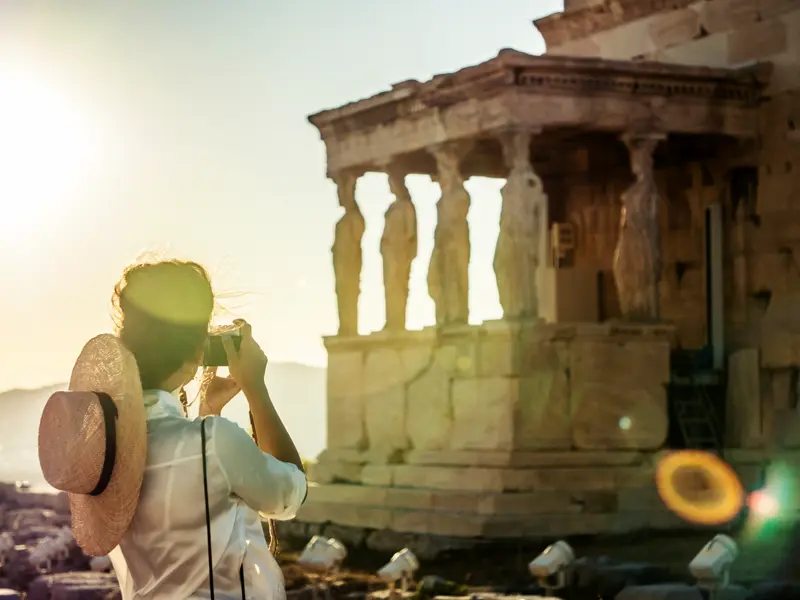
(162, 312)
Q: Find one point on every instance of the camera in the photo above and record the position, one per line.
(214, 354)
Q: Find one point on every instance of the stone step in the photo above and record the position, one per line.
(489, 458)
(496, 479)
(488, 502)
(472, 525)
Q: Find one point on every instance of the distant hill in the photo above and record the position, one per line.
(297, 390)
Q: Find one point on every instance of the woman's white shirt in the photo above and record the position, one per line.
(164, 554)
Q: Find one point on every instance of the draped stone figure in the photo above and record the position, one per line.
(398, 249)
(347, 258)
(637, 259)
(448, 274)
(523, 231)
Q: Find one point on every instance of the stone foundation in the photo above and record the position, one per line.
(497, 431)
(534, 495)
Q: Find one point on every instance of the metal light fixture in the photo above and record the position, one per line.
(400, 568)
(323, 554)
(551, 566)
(712, 565)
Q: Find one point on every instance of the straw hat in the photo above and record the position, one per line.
(101, 473)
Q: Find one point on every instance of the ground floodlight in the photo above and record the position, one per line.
(322, 557)
(550, 567)
(311, 550)
(401, 568)
(322, 554)
(712, 565)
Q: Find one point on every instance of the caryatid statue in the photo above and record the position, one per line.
(398, 249)
(448, 274)
(347, 258)
(637, 259)
(521, 243)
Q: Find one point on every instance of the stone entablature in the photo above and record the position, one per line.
(503, 386)
(536, 93)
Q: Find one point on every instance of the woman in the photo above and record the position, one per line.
(163, 315)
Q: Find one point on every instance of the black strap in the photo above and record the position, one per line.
(110, 414)
(208, 520)
(208, 511)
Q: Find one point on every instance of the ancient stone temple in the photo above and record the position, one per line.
(646, 265)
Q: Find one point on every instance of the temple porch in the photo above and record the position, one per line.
(550, 421)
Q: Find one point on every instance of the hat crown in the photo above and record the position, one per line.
(73, 427)
(101, 475)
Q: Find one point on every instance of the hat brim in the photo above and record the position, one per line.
(99, 522)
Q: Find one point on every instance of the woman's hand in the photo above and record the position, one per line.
(248, 366)
(216, 392)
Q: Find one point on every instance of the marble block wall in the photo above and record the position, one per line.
(501, 386)
(709, 33)
(762, 235)
(503, 430)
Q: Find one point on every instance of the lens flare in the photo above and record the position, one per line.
(699, 487)
(763, 505)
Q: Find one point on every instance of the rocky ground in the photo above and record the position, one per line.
(481, 570)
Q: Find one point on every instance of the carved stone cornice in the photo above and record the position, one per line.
(546, 75)
(517, 90)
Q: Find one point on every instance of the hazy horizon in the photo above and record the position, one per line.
(298, 391)
(65, 380)
(180, 127)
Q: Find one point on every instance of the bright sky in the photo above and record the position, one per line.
(181, 127)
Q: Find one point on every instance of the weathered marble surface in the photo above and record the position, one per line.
(780, 333)
(347, 256)
(522, 240)
(500, 387)
(398, 249)
(448, 274)
(638, 256)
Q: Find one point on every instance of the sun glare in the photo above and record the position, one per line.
(44, 150)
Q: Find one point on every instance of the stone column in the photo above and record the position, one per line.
(522, 242)
(347, 257)
(398, 249)
(448, 274)
(637, 259)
